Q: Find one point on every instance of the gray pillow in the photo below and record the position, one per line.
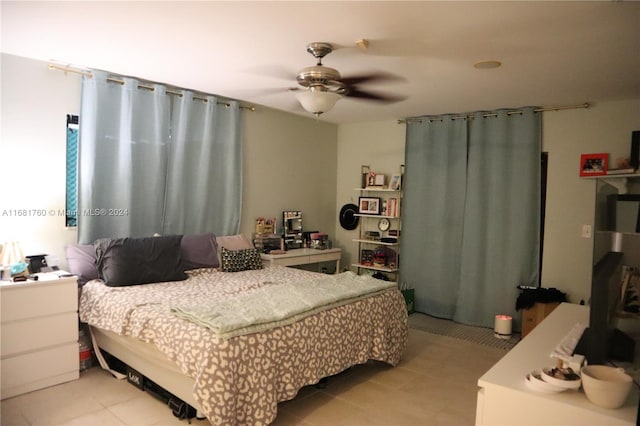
(199, 251)
(132, 261)
(81, 259)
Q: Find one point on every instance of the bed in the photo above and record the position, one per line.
(232, 344)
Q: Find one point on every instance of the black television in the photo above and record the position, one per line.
(601, 341)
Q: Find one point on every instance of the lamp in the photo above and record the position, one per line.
(12, 259)
(317, 101)
(11, 253)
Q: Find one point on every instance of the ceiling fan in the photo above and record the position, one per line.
(325, 86)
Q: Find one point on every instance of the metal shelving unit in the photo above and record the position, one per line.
(383, 224)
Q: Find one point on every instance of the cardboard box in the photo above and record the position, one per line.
(535, 314)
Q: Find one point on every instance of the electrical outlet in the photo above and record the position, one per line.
(586, 231)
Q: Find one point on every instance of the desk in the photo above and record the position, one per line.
(303, 256)
(505, 399)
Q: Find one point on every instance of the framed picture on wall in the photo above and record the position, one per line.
(369, 205)
(395, 182)
(593, 164)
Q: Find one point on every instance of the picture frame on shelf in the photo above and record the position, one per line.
(364, 173)
(395, 183)
(371, 178)
(594, 164)
(376, 179)
(369, 205)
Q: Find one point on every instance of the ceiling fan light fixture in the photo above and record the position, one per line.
(317, 101)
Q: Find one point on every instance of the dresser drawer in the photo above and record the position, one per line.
(37, 333)
(291, 261)
(39, 369)
(326, 257)
(38, 299)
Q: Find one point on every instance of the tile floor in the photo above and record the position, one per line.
(435, 384)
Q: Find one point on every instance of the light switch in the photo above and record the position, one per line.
(586, 231)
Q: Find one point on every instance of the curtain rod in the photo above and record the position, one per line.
(140, 85)
(456, 117)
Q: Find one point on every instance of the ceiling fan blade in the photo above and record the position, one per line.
(376, 76)
(370, 96)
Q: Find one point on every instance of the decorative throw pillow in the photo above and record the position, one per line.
(239, 260)
(199, 251)
(81, 259)
(131, 261)
(232, 242)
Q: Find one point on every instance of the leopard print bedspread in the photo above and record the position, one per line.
(239, 381)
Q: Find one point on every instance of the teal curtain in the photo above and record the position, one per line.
(434, 187)
(131, 173)
(472, 213)
(204, 179)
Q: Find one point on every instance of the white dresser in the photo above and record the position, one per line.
(39, 333)
(505, 399)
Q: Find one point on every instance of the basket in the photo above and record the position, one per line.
(409, 299)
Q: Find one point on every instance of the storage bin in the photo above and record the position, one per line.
(409, 298)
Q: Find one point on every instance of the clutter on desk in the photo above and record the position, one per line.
(267, 243)
(292, 229)
(319, 240)
(265, 226)
(553, 380)
(265, 238)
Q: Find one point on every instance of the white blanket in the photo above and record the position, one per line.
(278, 304)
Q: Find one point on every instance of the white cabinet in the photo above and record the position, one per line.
(39, 333)
(379, 231)
(505, 399)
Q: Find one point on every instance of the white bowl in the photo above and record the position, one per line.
(561, 377)
(534, 381)
(606, 386)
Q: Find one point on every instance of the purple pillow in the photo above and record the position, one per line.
(82, 262)
(199, 251)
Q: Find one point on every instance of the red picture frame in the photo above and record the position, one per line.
(594, 164)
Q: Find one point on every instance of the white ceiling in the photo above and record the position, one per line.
(553, 53)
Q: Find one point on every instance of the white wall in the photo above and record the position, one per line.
(35, 102)
(289, 164)
(290, 161)
(567, 262)
(604, 127)
(379, 145)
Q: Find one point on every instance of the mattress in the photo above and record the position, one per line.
(241, 379)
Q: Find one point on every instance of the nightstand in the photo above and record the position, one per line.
(39, 333)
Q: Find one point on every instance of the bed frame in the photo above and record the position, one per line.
(147, 360)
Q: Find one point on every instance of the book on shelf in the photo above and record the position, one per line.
(623, 171)
(392, 207)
